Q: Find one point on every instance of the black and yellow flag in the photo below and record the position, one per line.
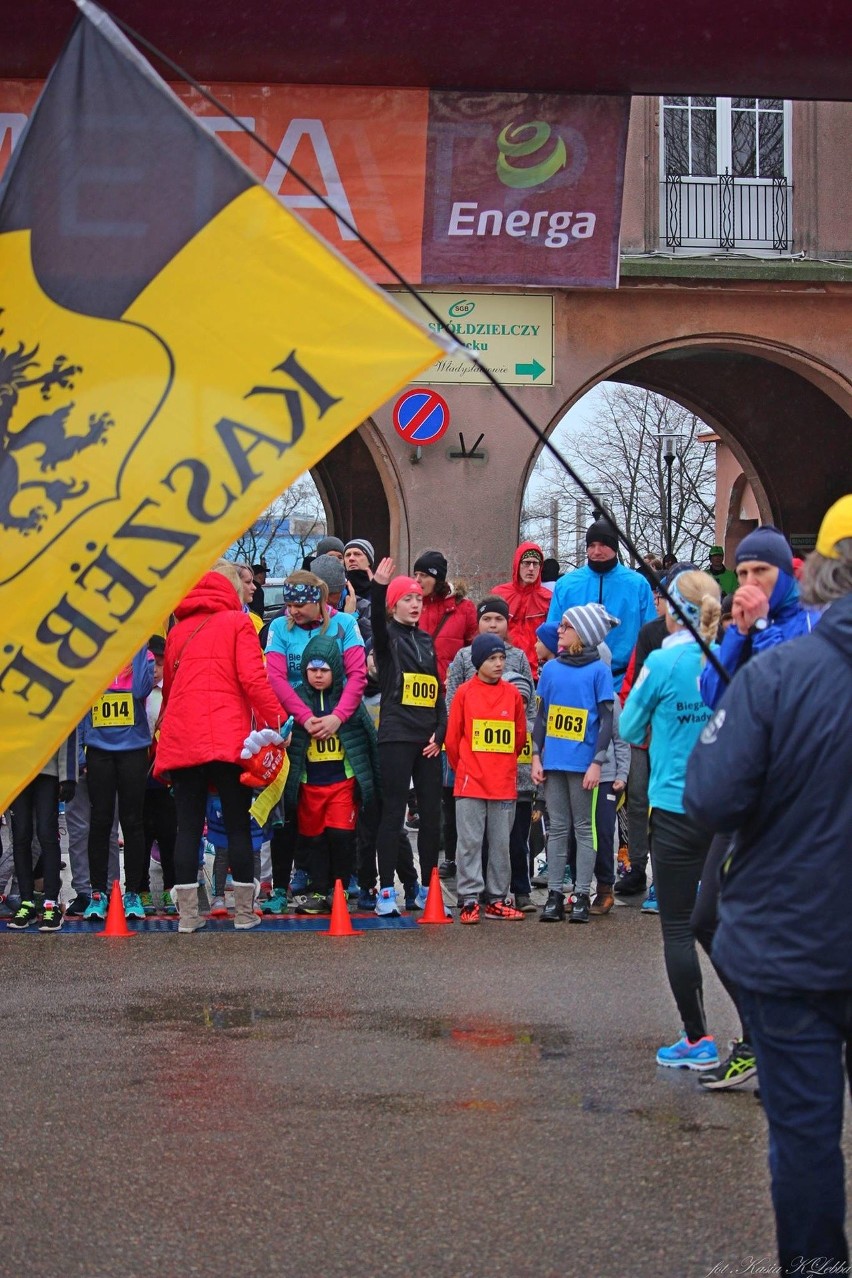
(175, 348)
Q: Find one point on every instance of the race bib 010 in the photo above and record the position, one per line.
(493, 736)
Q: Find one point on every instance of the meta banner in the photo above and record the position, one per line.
(503, 188)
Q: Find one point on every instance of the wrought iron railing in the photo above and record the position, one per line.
(726, 213)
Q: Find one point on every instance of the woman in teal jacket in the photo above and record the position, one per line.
(666, 699)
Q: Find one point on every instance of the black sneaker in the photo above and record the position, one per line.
(77, 908)
(51, 919)
(632, 883)
(554, 908)
(447, 870)
(412, 822)
(25, 916)
(738, 1066)
(580, 906)
(313, 903)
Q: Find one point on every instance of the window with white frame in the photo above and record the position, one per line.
(725, 165)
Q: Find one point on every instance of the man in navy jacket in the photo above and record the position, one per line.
(774, 765)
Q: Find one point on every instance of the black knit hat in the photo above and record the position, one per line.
(492, 603)
(485, 646)
(433, 563)
(602, 530)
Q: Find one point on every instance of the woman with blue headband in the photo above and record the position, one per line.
(666, 699)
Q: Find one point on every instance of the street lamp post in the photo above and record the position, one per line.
(670, 446)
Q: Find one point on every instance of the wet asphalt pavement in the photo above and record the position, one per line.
(445, 1101)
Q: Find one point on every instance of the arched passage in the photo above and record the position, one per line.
(360, 490)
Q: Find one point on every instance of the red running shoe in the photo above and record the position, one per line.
(501, 910)
(469, 912)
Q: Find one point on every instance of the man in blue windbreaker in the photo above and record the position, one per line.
(624, 593)
(773, 767)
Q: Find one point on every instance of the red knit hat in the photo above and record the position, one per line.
(402, 586)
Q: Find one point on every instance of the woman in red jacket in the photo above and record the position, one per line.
(447, 615)
(214, 680)
(527, 599)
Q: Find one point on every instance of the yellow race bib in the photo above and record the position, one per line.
(419, 690)
(493, 736)
(328, 751)
(526, 754)
(113, 710)
(567, 722)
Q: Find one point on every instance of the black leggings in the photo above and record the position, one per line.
(678, 852)
(160, 823)
(705, 916)
(121, 773)
(399, 763)
(191, 786)
(36, 810)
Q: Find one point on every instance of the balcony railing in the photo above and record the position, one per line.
(726, 213)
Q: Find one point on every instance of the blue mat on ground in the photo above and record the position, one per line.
(282, 923)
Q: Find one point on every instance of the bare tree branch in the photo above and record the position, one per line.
(281, 535)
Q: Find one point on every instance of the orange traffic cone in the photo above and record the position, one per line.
(435, 911)
(341, 923)
(116, 923)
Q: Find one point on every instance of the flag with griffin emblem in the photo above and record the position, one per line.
(175, 349)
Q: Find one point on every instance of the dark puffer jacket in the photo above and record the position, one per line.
(357, 734)
(774, 765)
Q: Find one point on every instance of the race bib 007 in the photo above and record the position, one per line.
(328, 751)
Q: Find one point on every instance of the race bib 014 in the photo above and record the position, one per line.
(113, 710)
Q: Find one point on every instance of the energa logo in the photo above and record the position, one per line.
(517, 144)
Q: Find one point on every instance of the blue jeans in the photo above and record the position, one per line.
(803, 1044)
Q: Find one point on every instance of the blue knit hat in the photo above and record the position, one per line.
(548, 633)
(485, 646)
(769, 545)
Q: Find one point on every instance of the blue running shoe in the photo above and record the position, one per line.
(649, 905)
(353, 888)
(366, 899)
(299, 882)
(276, 902)
(97, 907)
(386, 906)
(685, 1055)
(133, 907)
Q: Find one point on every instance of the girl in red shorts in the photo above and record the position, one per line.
(330, 776)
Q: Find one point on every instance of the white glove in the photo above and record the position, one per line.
(258, 740)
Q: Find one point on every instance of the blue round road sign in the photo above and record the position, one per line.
(421, 417)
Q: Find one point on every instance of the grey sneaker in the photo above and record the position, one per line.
(524, 903)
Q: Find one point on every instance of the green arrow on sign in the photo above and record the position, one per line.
(532, 370)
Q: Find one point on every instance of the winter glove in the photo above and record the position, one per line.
(262, 750)
(67, 790)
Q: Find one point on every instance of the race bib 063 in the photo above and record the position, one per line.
(567, 722)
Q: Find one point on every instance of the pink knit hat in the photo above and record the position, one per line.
(402, 586)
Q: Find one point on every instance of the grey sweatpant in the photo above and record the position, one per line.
(569, 805)
(474, 819)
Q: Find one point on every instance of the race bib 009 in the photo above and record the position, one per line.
(419, 690)
(567, 722)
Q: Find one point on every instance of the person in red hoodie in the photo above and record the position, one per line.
(486, 732)
(214, 681)
(527, 599)
(447, 615)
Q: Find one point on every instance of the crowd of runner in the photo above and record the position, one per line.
(592, 716)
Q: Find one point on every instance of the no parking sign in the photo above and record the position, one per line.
(421, 417)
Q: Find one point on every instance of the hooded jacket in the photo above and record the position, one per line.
(214, 680)
(787, 620)
(774, 764)
(624, 593)
(528, 605)
(357, 734)
(459, 629)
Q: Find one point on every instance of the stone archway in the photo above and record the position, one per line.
(361, 493)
